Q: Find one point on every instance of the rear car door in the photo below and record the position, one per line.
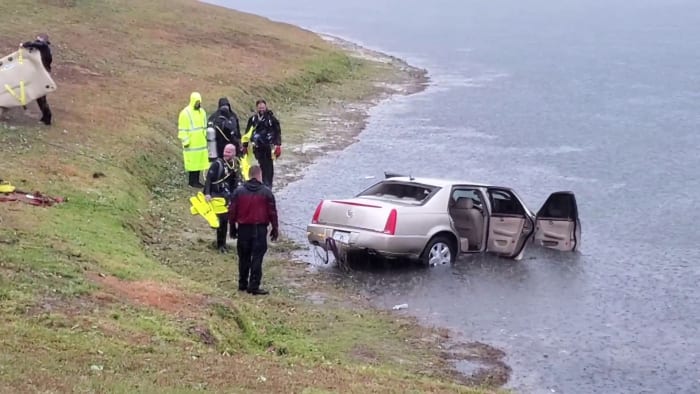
(509, 223)
(557, 224)
(467, 212)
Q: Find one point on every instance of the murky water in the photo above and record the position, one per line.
(598, 97)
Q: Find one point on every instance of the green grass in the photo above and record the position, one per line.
(117, 289)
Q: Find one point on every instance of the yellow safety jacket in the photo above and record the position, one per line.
(192, 132)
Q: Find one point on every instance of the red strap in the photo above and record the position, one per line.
(37, 199)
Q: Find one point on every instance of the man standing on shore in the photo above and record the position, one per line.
(192, 132)
(266, 136)
(252, 209)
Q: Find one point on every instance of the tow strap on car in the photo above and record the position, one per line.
(9, 193)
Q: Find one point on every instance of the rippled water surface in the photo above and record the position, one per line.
(598, 97)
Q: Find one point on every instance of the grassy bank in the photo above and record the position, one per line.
(117, 289)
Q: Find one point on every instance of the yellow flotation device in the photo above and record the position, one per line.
(246, 160)
(208, 210)
(6, 187)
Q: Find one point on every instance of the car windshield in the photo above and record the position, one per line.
(405, 192)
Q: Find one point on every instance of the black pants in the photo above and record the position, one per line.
(221, 232)
(194, 178)
(252, 246)
(264, 157)
(45, 110)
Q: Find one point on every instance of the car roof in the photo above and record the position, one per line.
(435, 181)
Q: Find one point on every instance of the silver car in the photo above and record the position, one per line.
(435, 220)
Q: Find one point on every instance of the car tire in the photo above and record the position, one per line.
(440, 250)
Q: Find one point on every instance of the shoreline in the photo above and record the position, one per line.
(481, 364)
(348, 118)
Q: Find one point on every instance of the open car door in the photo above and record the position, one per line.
(557, 225)
(509, 224)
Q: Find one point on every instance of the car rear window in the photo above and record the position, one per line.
(406, 192)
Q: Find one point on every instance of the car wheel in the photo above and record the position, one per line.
(440, 250)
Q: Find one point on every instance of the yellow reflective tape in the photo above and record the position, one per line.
(9, 89)
(22, 95)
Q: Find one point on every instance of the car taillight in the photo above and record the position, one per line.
(390, 227)
(317, 213)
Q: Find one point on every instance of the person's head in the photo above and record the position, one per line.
(43, 37)
(225, 106)
(229, 152)
(261, 106)
(196, 100)
(255, 173)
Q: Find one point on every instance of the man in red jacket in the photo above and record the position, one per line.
(252, 209)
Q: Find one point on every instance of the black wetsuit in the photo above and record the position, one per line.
(44, 48)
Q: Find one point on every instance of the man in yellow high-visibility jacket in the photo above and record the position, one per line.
(192, 132)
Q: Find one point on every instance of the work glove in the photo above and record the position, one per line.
(278, 151)
(274, 234)
(233, 232)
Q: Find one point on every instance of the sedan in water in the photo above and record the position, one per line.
(435, 220)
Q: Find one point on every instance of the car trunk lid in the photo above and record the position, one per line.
(355, 213)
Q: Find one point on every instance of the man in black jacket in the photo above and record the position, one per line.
(221, 182)
(43, 45)
(252, 209)
(266, 135)
(225, 122)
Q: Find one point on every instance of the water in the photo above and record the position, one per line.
(598, 97)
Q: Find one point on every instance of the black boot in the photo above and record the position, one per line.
(45, 110)
(258, 291)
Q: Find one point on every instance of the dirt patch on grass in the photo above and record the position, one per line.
(152, 294)
(477, 363)
(364, 354)
(203, 334)
(74, 73)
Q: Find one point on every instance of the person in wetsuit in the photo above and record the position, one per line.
(221, 182)
(266, 139)
(43, 45)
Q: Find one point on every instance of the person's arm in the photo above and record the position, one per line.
(278, 131)
(33, 44)
(233, 214)
(183, 125)
(272, 215)
(211, 174)
(245, 138)
(276, 135)
(250, 123)
(235, 131)
(237, 124)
